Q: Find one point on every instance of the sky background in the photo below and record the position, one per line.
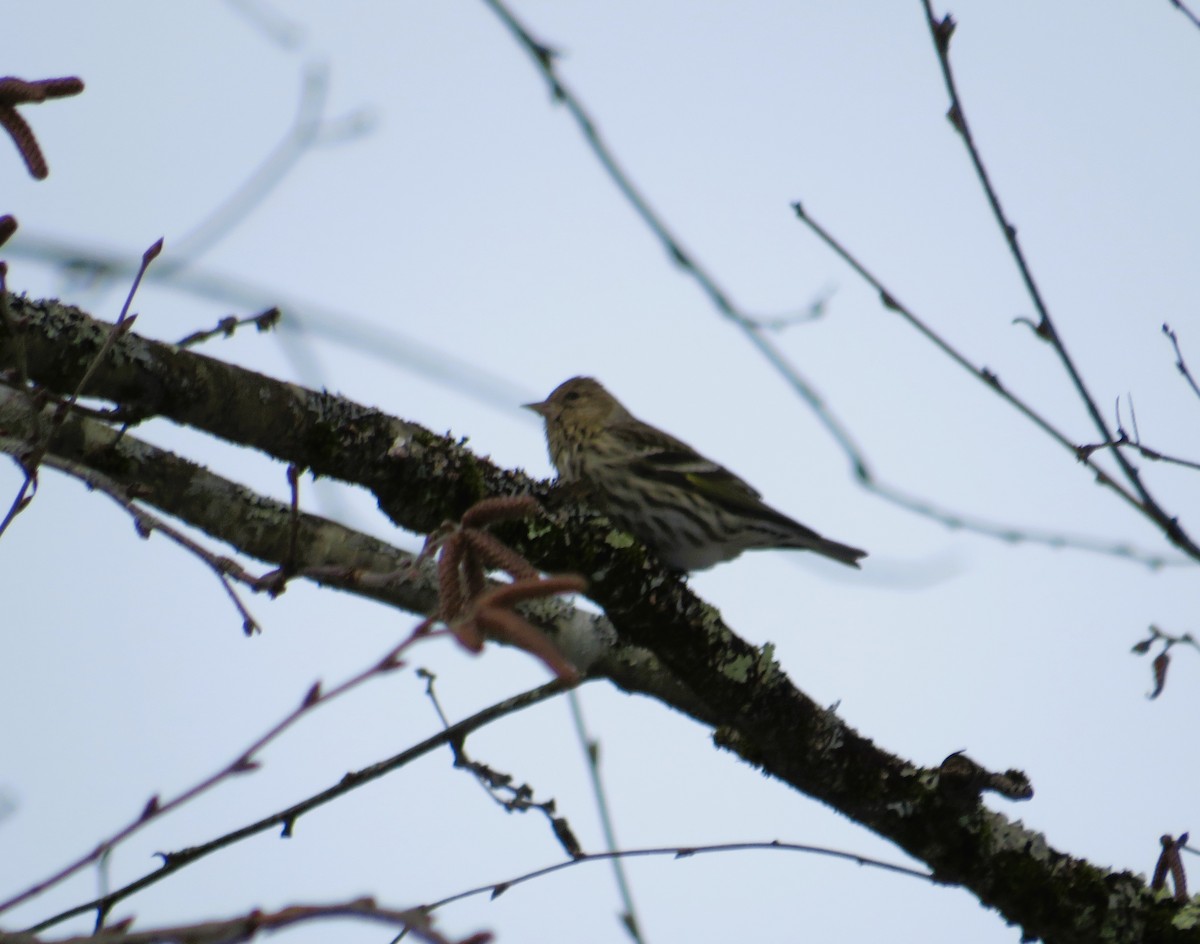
(451, 249)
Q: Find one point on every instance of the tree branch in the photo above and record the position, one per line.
(421, 480)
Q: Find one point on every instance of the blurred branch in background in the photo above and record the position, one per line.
(310, 129)
(1186, 11)
(301, 323)
(285, 33)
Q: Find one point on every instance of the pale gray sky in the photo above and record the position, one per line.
(473, 225)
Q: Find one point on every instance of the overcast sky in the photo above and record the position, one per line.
(448, 249)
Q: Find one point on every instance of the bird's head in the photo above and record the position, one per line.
(580, 402)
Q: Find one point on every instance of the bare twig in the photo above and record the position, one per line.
(680, 852)
(147, 523)
(941, 31)
(123, 323)
(286, 818)
(227, 326)
(1123, 440)
(987, 377)
(30, 459)
(1186, 11)
(1180, 363)
(499, 786)
(1134, 442)
(293, 477)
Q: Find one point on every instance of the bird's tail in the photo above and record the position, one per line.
(842, 553)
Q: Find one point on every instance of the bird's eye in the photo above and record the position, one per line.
(573, 395)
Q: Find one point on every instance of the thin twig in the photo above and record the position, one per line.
(940, 32)
(147, 523)
(1180, 363)
(1153, 455)
(31, 458)
(1186, 11)
(983, 374)
(227, 326)
(500, 787)
(289, 563)
(123, 323)
(680, 852)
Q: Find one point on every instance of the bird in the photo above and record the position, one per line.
(690, 511)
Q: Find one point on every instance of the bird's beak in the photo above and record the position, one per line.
(539, 408)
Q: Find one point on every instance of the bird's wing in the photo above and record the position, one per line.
(660, 456)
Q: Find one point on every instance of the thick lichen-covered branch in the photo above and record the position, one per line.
(422, 479)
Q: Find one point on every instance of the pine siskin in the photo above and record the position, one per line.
(692, 512)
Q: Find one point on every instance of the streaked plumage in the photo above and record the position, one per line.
(691, 511)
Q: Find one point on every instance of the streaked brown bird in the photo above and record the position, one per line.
(689, 510)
